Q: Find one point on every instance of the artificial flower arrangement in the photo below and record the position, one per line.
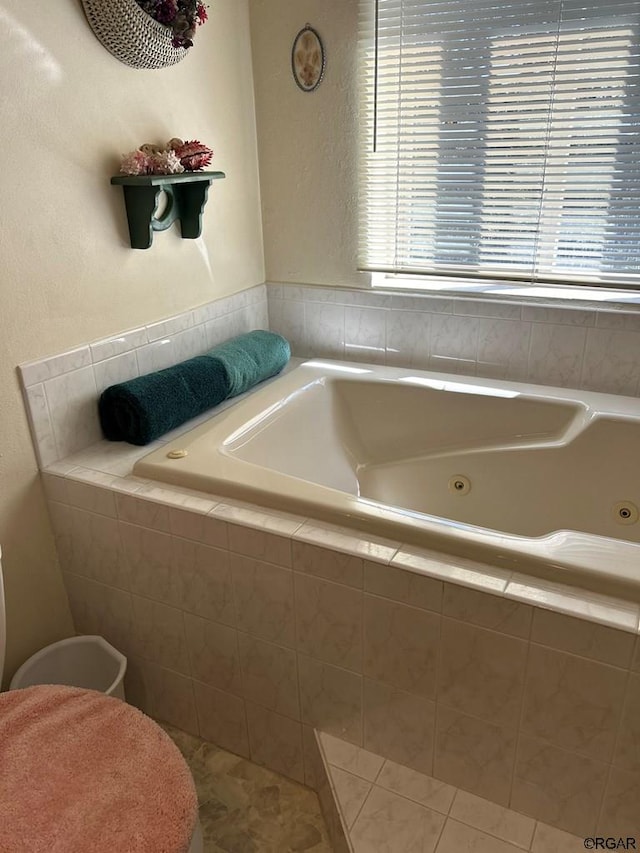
(176, 157)
(182, 16)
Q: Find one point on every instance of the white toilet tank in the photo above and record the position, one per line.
(3, 623)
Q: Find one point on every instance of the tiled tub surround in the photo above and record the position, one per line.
(595, 347)
(61, 392)
(252, 627)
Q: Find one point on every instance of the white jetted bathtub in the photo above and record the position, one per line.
(519, 476)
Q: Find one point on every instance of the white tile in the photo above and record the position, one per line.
(234, 323)
(454, 344)
(222, 718)
(581, 637)
(408, 339)
(203, 313)
(327, 563)
(503, 349)
(269, 675)
(268, 547)
(263, 596)
(41, 426)
(55, 487)
(347, 541)
(416, 786)
(195, 524)
(172, 698)
(488, 611)
(487, 308)
(389, 824)
(556, 355)
(422, 302)
(174, 496)
(118, 344)
(112, 457)
(351, 792)
(121, 368)
(493, 819)
(169, 327)
(418, 590)
(329, 621)
(156, 356)
(190, 343)
(324, 330)
(287, 318)
(620, 320)
(330, 698)
(561, 316)
(46, 368)
(93, 498)
(144, 513)
(259, 315)
(73, 406)
(611, 361)
(547, 839)
(272, 521)
(61, 468)
(365, 335)
(459, 838)
(127, 485)
(475, 754)
(584, 604)
(349, 757)
(399, 725)
(295, 291)
(160, 634)
(453, 569)
(216, 332)
(274, 291)
(213, 653)
(276, 741)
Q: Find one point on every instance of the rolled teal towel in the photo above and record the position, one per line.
(143, 409)
(250, 358)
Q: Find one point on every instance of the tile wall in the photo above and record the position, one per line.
(61, 392)
(595, 349)
(251, 629)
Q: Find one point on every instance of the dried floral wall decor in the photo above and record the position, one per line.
(146, 33)
(307, 59)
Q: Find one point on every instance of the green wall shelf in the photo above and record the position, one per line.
(186, 198)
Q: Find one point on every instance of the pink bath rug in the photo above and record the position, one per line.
(81, 772)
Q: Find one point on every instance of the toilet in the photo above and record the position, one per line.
(83, 772)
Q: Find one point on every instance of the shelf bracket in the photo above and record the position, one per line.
(186, 197)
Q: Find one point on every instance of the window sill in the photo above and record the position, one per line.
(585, 297)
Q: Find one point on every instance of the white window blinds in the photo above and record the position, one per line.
(501, 139)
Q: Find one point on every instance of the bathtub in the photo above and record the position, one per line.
(529, 478)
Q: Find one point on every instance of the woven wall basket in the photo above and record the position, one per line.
(131, 35)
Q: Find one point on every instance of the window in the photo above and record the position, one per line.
(501, 140)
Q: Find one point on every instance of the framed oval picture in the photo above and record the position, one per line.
(307, 59)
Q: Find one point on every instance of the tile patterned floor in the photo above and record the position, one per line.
(392, 809)
(245, 808)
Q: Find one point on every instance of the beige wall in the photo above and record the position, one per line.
(307, 143)
(67, 110)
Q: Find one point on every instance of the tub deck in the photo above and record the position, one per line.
(520, 476)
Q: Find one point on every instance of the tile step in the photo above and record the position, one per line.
(385, 807)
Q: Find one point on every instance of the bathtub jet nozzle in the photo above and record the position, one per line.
(459, 484)
(625, 512)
